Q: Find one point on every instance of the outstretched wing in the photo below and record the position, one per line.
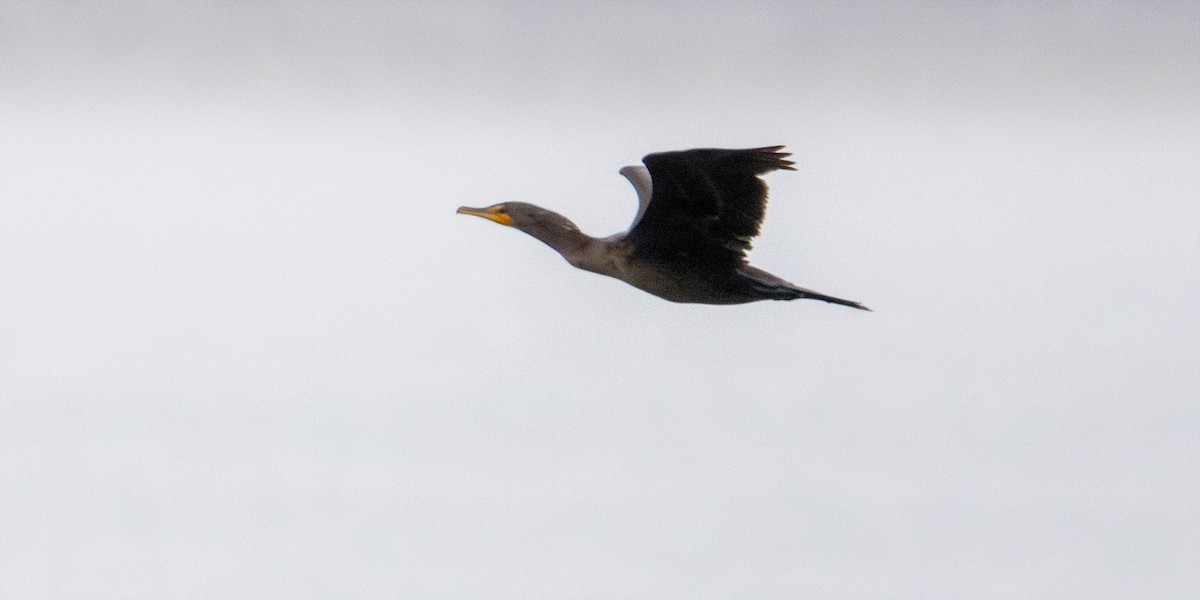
(707, 202)
(640, 178)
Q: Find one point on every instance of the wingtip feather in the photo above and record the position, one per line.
(772, 157)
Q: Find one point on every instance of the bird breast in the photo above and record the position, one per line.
(607, 256)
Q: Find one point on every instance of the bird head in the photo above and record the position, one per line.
(522, 216)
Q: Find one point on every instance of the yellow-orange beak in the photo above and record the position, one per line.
(492, 213)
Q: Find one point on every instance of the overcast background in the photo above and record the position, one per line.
(247, 349)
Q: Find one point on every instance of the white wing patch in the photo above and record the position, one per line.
(639, 176)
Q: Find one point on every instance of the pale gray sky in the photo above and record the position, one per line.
(247, 349)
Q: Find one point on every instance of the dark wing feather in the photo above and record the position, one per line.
(706, 203)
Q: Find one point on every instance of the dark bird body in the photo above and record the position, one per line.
(698, 212)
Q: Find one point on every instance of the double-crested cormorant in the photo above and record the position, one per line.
(698, 210)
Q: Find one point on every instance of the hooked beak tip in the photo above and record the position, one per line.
(491, 213)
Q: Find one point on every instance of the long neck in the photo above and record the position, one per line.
(559, 233)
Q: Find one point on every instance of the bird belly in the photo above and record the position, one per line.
(677, 279)
(684, 285)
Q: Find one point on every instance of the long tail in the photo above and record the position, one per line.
(797, 293)
(779, 289)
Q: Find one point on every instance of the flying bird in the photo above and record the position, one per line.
(697, 212)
